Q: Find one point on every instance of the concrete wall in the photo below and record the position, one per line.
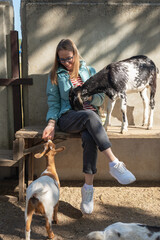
(6, 109)
(104, 31)
(6, 19)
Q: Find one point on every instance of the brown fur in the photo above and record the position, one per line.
(34, 205)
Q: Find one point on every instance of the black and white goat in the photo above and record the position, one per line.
(135, 74)
(126, 231)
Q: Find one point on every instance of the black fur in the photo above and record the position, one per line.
(112, 80)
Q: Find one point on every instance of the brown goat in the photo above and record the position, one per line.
(42, 195)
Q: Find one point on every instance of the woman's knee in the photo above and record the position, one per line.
(91, 114)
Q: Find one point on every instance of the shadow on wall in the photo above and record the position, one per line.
(117, 31)
(116, 113)
(35, 100)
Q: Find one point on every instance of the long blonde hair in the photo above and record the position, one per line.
(65, 44)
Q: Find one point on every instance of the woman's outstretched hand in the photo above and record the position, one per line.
(48, 133)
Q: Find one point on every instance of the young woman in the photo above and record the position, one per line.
(68, 71)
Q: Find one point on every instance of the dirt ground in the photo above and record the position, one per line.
(139, 202)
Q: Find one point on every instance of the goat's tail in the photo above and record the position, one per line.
(31, 205)
(34, 201)
(33, 198)
(97, 235)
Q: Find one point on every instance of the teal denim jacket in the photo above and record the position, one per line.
(58, 95)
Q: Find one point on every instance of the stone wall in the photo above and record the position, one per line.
(6, 20)
(6, 108)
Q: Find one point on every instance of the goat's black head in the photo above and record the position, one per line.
(75, 99)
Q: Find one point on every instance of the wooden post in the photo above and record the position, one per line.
(17, 108)
(14, 54)
(30, 163)
(21, 170)
(18, 155)
(15, 81)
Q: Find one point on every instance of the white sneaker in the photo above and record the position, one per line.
(120, 172)
(87, 200)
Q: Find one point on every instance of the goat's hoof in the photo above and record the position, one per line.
(105, 128)
(149, 128)
(123, 131)
(55, 221)
(51, 236)
(55, 238)
(144, 125)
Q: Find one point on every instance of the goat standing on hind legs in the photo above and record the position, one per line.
(135, 74)
(42, 195)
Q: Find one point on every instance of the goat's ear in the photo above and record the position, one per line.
(60, 149)
(39, 155)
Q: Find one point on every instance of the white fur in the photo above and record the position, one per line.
(27, 235)
(46, 190)
(124, 231)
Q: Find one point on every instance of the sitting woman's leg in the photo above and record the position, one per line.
(89, 124)
(78, 121)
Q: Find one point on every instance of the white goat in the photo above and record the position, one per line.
(42, 195)
(126, 231)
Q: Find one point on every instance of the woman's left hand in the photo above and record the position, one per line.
(90, 98)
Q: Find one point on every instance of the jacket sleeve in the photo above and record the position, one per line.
(54, 102)
(98, 98)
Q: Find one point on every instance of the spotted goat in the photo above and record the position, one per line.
(135, 74)
(126, 231)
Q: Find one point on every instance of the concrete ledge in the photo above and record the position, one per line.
(138, 149)
(133, 132)
(113, 132)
